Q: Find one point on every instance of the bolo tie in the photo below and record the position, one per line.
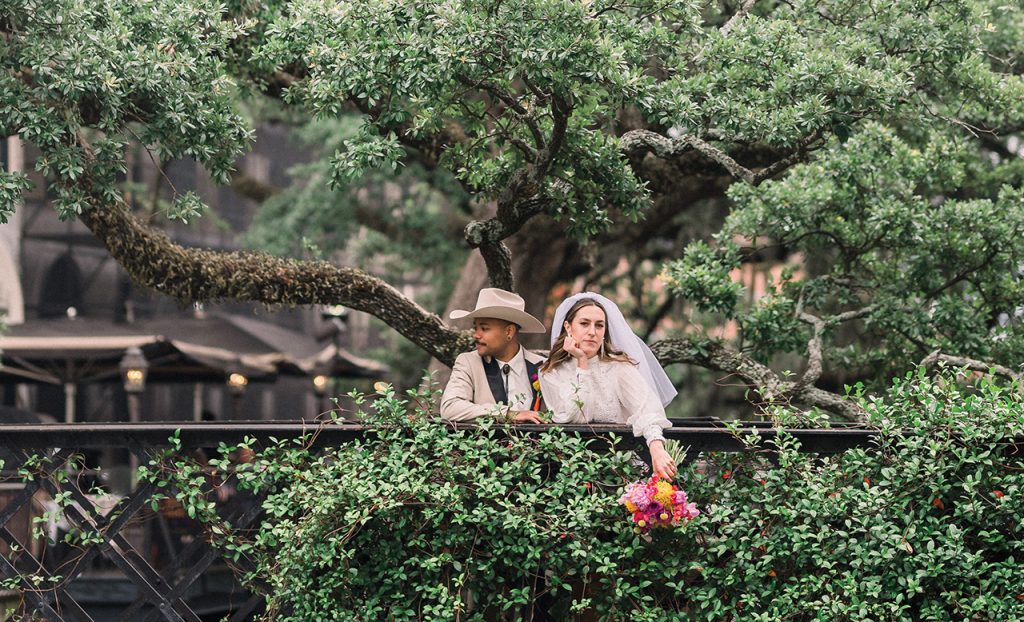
(506, 370)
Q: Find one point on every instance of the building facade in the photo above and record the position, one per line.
(55, 271)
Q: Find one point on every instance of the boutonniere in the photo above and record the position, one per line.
(535, 381)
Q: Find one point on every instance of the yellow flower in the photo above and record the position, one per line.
(641, 523)
(664, 494)
(630, 506)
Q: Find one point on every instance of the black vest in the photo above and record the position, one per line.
(494, 379)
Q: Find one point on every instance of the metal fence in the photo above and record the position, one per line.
(144, 560)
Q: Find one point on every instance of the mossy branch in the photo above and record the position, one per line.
(192, 274)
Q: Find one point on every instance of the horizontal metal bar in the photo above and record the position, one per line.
(708, 436)
(192, 435)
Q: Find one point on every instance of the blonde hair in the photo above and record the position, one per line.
(558, 354)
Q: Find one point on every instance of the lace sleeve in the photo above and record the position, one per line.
(642, 407)
(565, 393)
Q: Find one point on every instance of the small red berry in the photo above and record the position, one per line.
(727, 475)
(999, 495)
(939, 504)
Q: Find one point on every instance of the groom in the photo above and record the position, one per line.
(496, 380)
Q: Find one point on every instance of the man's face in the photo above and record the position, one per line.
(492, 336)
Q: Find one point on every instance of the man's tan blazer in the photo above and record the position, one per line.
(468, 394)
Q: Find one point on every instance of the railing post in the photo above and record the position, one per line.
(70, 393)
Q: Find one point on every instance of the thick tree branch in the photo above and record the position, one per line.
(831, 402)
(813, 371)
(814, 355)
(798, 154)
(489, 236)
(718, 357)
(715, 154)
(518, 202)
(973, 364)
(192, 274)
(498, 259)
(636, 142)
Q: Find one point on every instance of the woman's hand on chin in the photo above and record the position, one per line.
(573, 349)
(663, 464)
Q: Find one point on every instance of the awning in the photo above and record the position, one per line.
(179, 349)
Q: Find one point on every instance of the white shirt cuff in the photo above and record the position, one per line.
(653, 433)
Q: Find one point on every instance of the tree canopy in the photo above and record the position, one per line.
(872, 147)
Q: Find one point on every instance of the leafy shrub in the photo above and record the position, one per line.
(420, 522)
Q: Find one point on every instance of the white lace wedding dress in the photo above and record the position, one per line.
(606, 392)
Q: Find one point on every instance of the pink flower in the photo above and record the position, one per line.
(638, 495)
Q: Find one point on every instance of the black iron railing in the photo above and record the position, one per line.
(143, 560)
(700, 434)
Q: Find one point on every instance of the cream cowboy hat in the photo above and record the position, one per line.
(497, 303)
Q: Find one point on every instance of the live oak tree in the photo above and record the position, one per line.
(872, 145)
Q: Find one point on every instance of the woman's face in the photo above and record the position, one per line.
(587, 328)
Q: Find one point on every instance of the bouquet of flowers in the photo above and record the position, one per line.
(657, 503)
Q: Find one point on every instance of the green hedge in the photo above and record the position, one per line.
(423, 523)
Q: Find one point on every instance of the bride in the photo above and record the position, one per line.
(600, 372)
